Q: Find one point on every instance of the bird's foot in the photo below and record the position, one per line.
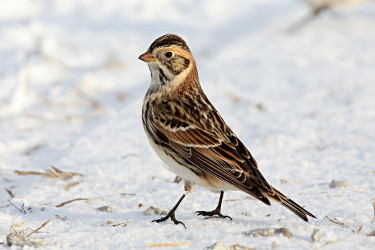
(214, 213)
(173, 218)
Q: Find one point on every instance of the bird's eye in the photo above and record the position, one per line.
(169, 54)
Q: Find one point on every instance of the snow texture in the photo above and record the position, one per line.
(303, 103)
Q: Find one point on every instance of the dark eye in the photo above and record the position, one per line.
(169, 54)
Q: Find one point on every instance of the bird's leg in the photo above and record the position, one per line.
(216, 211)
(171, 213)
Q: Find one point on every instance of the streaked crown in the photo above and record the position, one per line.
(168, 40)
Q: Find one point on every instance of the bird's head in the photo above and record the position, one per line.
(169, 59)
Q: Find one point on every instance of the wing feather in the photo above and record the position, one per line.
(211, 148)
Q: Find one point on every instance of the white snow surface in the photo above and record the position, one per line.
(71, 95)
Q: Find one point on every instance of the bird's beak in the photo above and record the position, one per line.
(147, 57)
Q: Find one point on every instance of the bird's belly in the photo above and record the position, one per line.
(204, 180)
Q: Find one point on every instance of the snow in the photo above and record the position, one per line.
(71, 96)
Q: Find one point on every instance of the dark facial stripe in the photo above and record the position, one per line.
(162, 77)
(177, 64)
(186, 62)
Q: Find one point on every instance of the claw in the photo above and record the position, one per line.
(173, 218)
(171, 214)
(216, 212)
(213, 213)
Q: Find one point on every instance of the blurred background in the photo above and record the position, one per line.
(64, 64)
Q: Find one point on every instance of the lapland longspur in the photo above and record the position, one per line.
(191, 137)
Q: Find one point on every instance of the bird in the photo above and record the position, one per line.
(190, 136)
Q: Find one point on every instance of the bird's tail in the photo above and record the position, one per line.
(291, 205)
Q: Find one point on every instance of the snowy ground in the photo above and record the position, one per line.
(71, 95)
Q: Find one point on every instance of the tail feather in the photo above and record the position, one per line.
(292, 206)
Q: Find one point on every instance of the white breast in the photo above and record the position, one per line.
(185, 173)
